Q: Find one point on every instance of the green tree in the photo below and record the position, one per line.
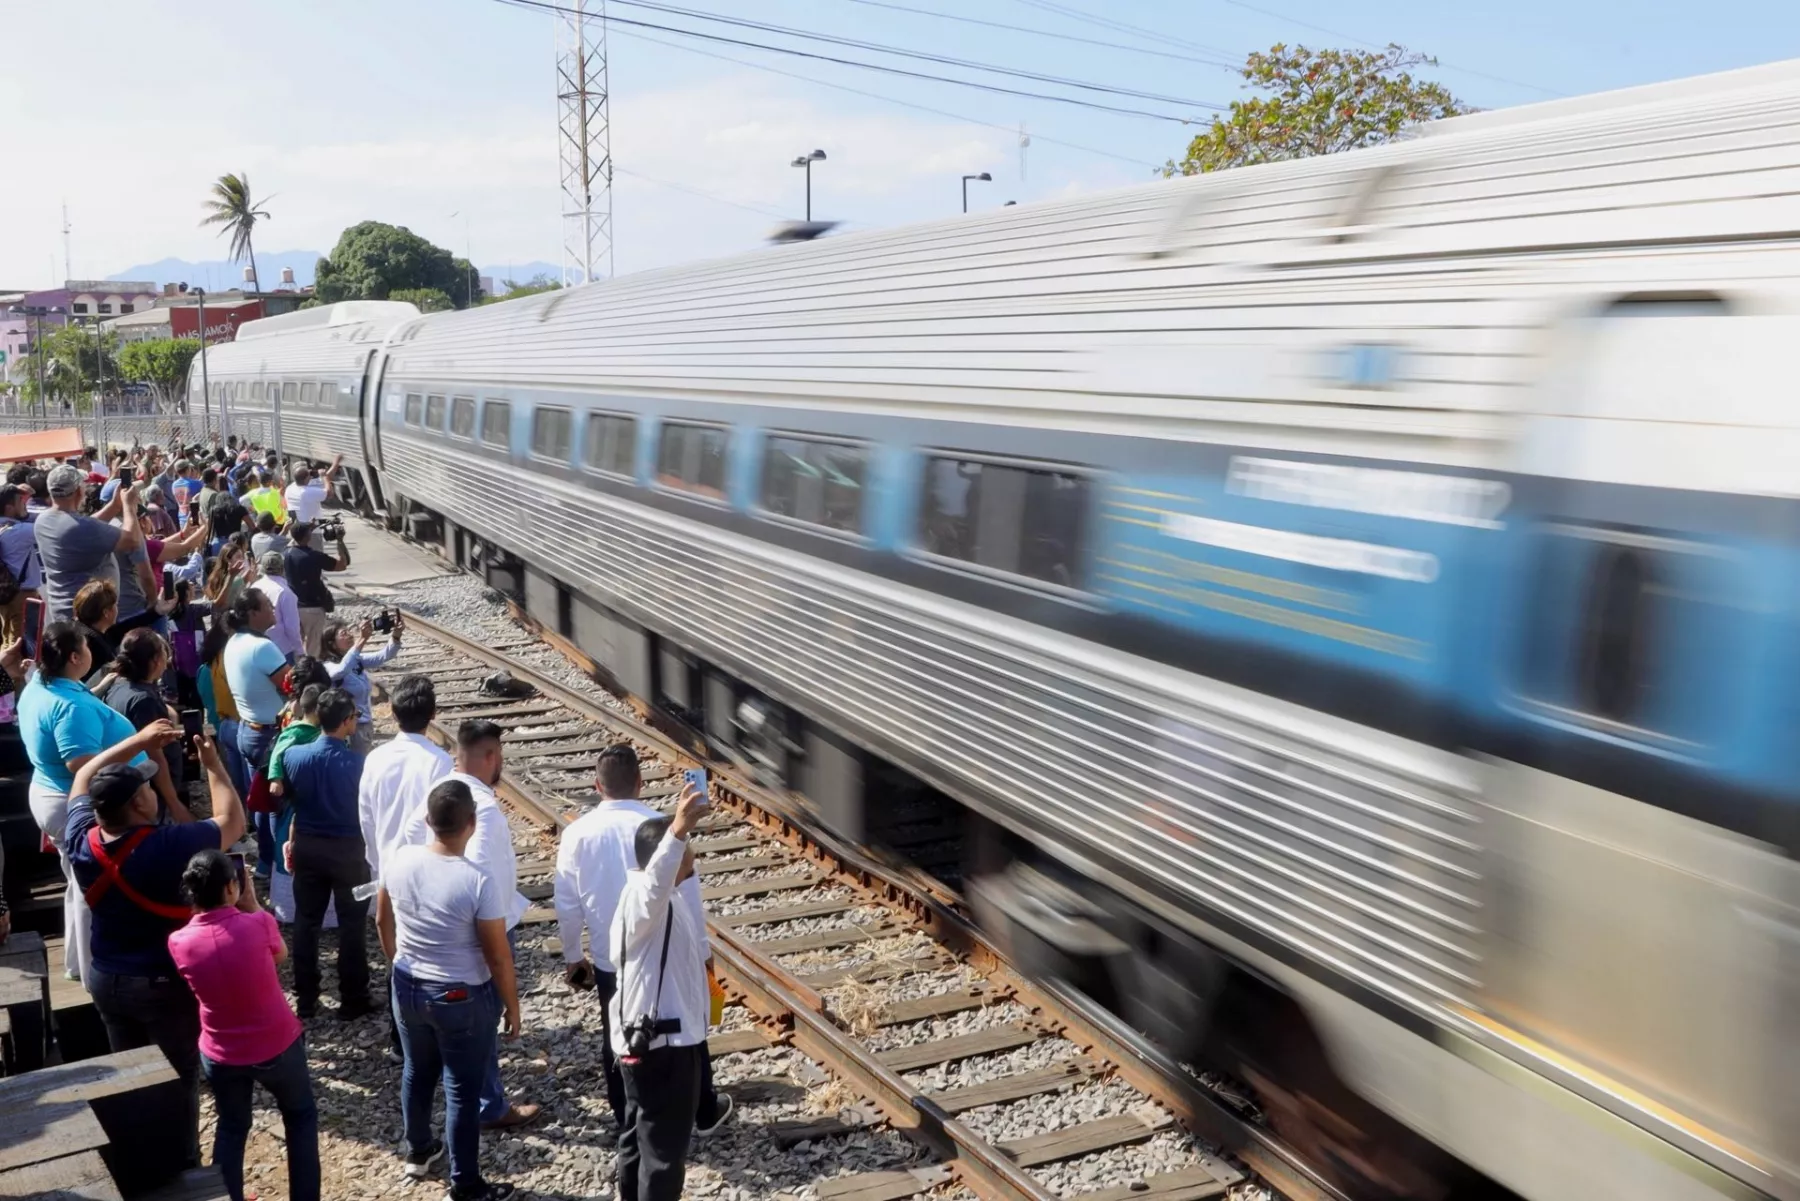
(230, 206)
(160, 362)
(75, 361)
(534, 286)
(428, 300)
(1318, 102)
(373, 260)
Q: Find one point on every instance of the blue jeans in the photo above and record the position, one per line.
(452, 1039)
(254, 746)
(493, 1096)
(234, 758)
(287, 1080)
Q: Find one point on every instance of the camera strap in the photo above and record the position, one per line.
(662, 963)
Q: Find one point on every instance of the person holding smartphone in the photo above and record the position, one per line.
(249, 1036)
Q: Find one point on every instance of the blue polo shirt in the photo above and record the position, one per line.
(127, 940)
(323, 779)
(60, 720)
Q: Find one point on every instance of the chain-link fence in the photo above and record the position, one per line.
(115, 429)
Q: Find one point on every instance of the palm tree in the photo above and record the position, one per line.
(232, 208)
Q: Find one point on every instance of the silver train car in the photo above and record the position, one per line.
(1352, 596)
(298, 383)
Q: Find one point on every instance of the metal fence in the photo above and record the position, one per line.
(116, 429)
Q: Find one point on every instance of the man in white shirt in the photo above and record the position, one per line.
(285, 633)
(397, 777)
(479, 760)
(659, 1013)
(305, 497)
(594, 856)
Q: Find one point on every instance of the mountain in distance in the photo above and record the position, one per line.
(218, 275)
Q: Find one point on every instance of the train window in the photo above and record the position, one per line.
(309, 395)
(462, 417)
(256, 392)
(692, 458)
(611, 443)
(550, 433)
(1619, 628)
(496, 424)
(434, 412)
(290, 393)
(1019, 520)
(415, 404)
(815, 481)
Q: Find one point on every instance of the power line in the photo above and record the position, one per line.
(1232, 65)
(1154, 35)
(700, 192)
(1374, 46)
(844, 87)
(547, 6)
(901, 52)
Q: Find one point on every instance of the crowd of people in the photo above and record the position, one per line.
(166, 623)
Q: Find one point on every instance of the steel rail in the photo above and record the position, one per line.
(793, 1006)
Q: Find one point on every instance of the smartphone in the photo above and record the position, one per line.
(168, 588)
(697, 777)
(32, 621)
(193, 724)
(194, 511)
(237, 861)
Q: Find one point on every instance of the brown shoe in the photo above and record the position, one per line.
(518, 1115)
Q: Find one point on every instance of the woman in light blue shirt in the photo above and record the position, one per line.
(63, 725)
(342, 647)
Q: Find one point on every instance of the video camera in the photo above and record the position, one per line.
(330, 527)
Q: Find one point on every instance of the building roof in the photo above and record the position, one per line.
(153, 316)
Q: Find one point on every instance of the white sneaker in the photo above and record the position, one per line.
(725, 1107)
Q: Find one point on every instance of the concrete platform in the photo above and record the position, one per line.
(379, 561)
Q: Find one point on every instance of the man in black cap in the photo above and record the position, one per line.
(130, 870)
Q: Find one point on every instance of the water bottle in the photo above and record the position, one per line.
(363, 892)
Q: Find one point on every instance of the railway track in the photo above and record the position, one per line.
(869, 971)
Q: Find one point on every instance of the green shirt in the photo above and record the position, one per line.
(295, 733)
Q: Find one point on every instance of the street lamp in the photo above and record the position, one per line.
(205, 384)
(984, 177)
(807, 160)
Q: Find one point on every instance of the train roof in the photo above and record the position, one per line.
(381, 313)
(1170, 305)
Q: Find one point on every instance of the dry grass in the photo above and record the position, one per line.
(830, 1098)
(860, 1007)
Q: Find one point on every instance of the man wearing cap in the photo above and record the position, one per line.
(74, 549)
(18, 550)
(129, 869)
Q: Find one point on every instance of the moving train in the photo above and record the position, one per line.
(1352, 604)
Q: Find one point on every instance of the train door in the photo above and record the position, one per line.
(1640, 907)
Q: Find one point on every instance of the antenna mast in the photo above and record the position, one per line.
(68, 271)
(585, 142)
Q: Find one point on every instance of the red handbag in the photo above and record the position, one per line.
(261, 800)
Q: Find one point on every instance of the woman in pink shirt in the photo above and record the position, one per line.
(248, 1033)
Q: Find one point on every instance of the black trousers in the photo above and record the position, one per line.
(661, 1090)
(706, 1111)
(327, 869)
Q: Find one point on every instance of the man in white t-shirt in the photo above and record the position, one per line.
(305, 497)
(478, 764)
(594, 857)
(443, 929)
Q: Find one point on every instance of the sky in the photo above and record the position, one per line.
(440, 115)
